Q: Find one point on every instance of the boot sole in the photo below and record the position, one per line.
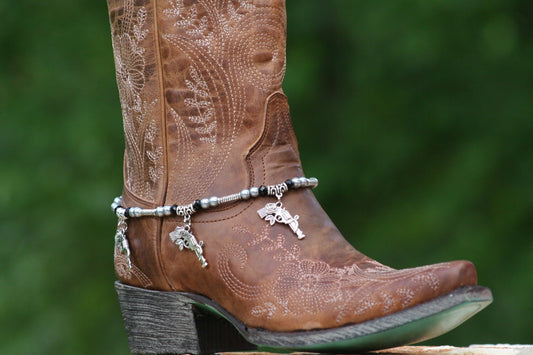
(159, 322)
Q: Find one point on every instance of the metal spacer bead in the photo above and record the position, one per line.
(167, 210)
(213, 201)
(204, 203)
(296, 182)
(245, 194)
(313, 182)
(160, 211)
(304, 182)
(254, 191)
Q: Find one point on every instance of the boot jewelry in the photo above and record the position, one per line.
(182, 235)
(275, 212)
(183, 238)
(121, 242)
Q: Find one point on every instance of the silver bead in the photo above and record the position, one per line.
(213, 201)
(113, 206)
(204, 203)
(133, 212)
(117, 200)
(313, 182)
(304, 182)
(245, 194)
(160, 211)
(254, 191)
(167, 210)
(296, 182)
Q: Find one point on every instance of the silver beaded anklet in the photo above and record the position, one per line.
(182, 236)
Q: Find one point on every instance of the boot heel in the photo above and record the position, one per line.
(159, 322)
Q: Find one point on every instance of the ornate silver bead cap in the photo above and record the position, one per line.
(120, 212)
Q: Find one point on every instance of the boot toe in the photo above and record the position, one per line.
(456, 274)
(432, 281)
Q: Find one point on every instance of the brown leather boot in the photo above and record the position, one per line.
(211, 254)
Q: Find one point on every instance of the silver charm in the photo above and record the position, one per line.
(183, 238)
(121, 242)
(276, 213)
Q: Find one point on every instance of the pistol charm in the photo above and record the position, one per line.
(121, 242)
(276, 213)
(183, 238)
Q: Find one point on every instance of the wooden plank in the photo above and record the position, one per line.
(499, 349)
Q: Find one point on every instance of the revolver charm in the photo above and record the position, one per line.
(121, 242)
(276, 213)
(184, 239)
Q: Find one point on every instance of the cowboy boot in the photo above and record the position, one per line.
(221, 244)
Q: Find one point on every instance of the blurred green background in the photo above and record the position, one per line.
(416, 116)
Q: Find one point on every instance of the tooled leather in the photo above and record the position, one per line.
(132, 275)
(226, 132)
(134, 40)
(221, 59)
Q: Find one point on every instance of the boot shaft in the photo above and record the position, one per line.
(194, 78)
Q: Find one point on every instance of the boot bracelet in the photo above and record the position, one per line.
(182, 235)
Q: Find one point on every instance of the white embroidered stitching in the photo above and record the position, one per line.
(143, 150)
(125, 272)
(305, 286)
(219, 41)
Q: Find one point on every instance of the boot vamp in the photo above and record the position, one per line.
(268, 278)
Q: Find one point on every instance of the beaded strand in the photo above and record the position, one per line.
(182, 235)
(214, 201)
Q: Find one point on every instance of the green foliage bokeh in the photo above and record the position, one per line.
(416, 116)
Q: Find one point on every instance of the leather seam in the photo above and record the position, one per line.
(266, 127)
(164, 142)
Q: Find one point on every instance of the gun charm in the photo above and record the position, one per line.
(276, 213)
(184, 239)
(121, 242)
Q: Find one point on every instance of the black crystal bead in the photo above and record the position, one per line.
(197, 205)
(290, 184)
(263, 190)
(127, 212)
(173, 209)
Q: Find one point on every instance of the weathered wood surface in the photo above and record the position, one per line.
(500, 349)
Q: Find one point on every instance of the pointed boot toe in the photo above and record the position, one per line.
(466, 272)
